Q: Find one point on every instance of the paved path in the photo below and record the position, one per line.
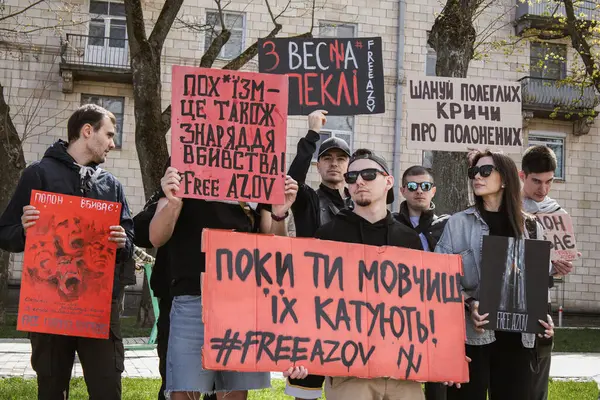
(15, 361)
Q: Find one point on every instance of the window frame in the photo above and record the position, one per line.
(325, 130)
(533, 139)
(119, 129)
(546, 48)
(221, 56)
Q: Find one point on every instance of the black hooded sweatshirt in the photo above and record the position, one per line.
(349, 227)
(57, 172)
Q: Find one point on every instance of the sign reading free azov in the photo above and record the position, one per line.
(455, 114)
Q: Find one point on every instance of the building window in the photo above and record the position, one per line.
(107, 41)
(115, 105)
(548, 60)
(557, 144)
(235, 22)
(341, 126)
(430, 60)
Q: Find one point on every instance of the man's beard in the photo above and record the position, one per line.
(363, 203)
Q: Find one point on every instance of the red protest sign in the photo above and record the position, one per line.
(228, 134)
(339, 309)
(558, 230)
(68, 266)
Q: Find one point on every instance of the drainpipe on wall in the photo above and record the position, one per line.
(399, 109)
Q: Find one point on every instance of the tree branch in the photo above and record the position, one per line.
(312, 18)
(581, 45)
(165, 21)
(21, 11)
(136, 28)
(221, 17)
(251, 51)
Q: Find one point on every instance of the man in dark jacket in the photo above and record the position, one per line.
(314, 208)
(72, 169)
(370, 185)
(418, 212)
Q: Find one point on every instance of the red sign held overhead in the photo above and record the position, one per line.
(228, 134)
(68, 267)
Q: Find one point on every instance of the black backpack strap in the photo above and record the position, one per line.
(326, 208)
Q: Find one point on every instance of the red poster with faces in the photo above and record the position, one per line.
(68, 266)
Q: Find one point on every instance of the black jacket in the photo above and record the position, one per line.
(160, 277)
(57, 172)
(349, 227)
(306, 208)
(431, 225)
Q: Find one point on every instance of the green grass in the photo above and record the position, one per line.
(146, 389)
(128, 328)
(577, 340)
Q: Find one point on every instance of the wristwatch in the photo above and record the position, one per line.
(279, 219)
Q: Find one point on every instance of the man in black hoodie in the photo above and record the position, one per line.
(72, 169)
(418, 212)
(314, 208)
(370, 185)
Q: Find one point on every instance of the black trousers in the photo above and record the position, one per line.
(540, 366)
(500, 370)
(102, 361)
(163, 326)
(435, 391)
(162, 340)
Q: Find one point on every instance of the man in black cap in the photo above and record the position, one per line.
(314, 208)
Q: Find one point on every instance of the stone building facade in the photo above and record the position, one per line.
(85, 59)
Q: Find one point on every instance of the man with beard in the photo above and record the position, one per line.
(314, 208)
(418, 212)
(370, 186)
(71, 168)
(537, 174)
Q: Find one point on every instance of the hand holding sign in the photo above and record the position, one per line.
(291, 190)
(562, 267)
(296, 373)
(170, 184)
(30, 215)
(478, 320)
(549, 326)
(118, 235)
(316, 120)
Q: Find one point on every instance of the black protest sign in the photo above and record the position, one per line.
(342, 76)
(514, 283)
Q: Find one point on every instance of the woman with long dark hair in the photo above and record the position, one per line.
(500, 365)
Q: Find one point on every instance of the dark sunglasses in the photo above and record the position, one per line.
(368, 174)
(414, 186)
(484, 171)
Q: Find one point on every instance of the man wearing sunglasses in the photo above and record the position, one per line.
(314, 208)
(537, 174)
(370, 186)
(418, 212)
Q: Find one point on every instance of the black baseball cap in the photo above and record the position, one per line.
(333, 143)
(365, 154)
